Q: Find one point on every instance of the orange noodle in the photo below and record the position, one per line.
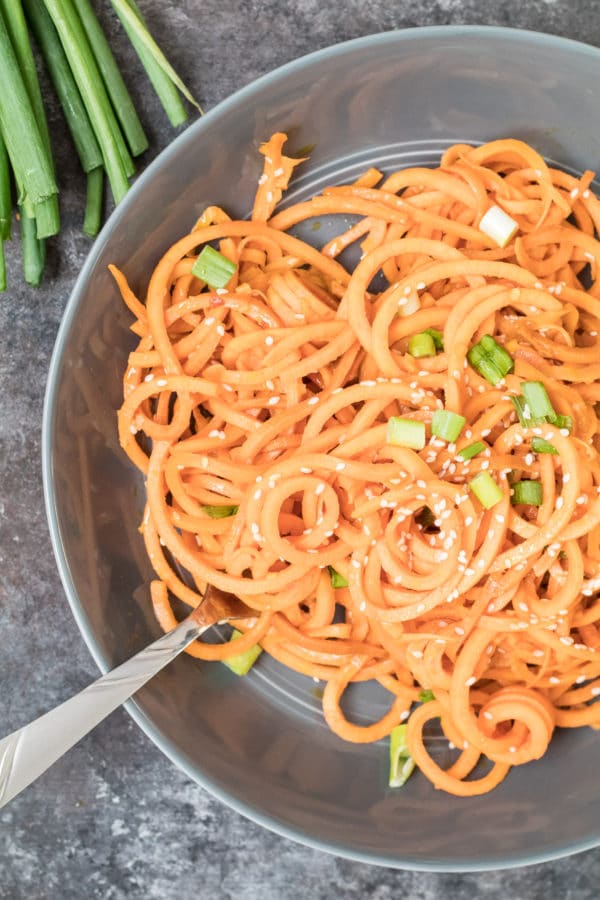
(270, 399)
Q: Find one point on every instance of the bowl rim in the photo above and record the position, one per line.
(245, 94)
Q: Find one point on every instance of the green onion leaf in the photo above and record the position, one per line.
(32, 164)
(490, 360)
(426, 696)
(93, 205)
(401, 762)
(152, 57)
(447, 425)
(561, 422)
(472, 450)
(421, 345)
(406, 433)
(242, 664)
(529, 492)
(33, 249)
(539, 445)
(486, 490)
(337, 579)
(438, 337)
(5, 194)
(220, 512)
(213, 268)
(536, 397)
(64, 84)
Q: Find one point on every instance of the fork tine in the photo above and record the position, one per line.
(218, 606)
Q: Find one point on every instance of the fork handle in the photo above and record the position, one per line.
(27, 753)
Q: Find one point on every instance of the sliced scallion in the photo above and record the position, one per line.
(523, 410)
(536, 396)
(401, 762)
(220, 512)
(420, 345)
(426, 696)
(539, 445)
(242, 663)
(486, 490)
(561, 422)
(472, 450)
(406, 433)
(213, 268)
(337, 579)
(529, 492)
(490, 360)
(447, 425)
(438, 337)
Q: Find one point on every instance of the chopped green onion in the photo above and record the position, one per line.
(425, 517)
(523, 410)
(406, 433)
(401, 762)
(164, 78)
(213, 268)
(93, 205)
(220, 512)
(242, 663)
(490, 360)
(529, 492)
(113, 80)
(438, 337)
(498, 225)
(539, 445)
(67, 91)
(337, 579)
(472, 450)
(486, 490)
(561, 422)
(426, 696)
(536, 397)
(447, 425)
(421, 345)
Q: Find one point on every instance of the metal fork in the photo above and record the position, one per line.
(28, 752)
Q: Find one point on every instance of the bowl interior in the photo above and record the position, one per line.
(260, 743)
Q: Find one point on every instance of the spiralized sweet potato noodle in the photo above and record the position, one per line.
(271, 397)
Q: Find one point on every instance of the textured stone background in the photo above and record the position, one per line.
(114, 819)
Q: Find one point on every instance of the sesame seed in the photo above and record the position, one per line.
(470, 681)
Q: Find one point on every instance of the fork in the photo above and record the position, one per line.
(25, 754)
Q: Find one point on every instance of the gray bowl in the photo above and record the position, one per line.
(259, 743)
